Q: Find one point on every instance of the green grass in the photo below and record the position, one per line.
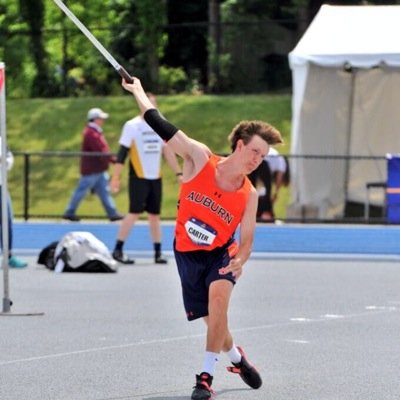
(37, 125)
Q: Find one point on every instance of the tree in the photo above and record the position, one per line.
(139, 36)
(219, 44)
(124, 32)
(214, 45)
(12, 48)
(32, 13)
(76, 64)
(187, 38)
(151, 39)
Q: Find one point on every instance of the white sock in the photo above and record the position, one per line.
(210, 362)
(234, 355)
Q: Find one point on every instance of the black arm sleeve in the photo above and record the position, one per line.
(159, 124)
(122, 153)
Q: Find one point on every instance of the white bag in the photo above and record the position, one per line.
(83, 252)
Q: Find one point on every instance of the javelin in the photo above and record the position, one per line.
(121, 70)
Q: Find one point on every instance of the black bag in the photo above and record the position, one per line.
(46, 256)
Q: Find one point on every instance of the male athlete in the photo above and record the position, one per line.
(215, 198)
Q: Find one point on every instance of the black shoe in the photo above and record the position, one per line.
(116, 217)
(71, 217)
(246, 371)
(160, 260)
(119, 256)
(202, 389)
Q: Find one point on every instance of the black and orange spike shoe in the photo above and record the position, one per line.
(202, 389)
(246, 371)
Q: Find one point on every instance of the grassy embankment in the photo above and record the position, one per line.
(36, 125)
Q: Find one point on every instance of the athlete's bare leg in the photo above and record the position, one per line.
(218, 336)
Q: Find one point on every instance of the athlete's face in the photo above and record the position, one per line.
(253, 153)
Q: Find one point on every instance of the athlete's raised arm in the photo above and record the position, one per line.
(194, 153)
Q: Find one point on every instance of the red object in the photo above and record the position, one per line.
(2, 78)
(94, 141)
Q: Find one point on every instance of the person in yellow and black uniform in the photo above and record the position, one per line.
(145, 150)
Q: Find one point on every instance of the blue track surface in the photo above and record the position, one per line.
(277, 239)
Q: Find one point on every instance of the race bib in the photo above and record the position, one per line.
(200, 233)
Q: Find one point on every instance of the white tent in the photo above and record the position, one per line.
(346, 101)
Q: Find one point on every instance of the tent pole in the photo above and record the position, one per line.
(349, 131)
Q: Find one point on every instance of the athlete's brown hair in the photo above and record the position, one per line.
(245, 130)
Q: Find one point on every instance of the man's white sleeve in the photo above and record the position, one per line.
(126, 135)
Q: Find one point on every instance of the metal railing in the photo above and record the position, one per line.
(37, 179)
(30, 187)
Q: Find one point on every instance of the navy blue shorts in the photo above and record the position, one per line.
(197, 269)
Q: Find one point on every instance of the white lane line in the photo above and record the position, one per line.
(297, 341)
(300, 319)
(293, 322)
(390, 308)
(105, 348)
(333, 316)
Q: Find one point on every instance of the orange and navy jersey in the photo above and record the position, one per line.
(208, 216)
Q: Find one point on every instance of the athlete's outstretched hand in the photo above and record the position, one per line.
(130, 87)
(137, 90)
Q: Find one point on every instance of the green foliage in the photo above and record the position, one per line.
(76, 63)
(257, 46)
(260, 8)
(172, 80)
(13, 48)
(150, 39)
(55, 125)
(43, 84)
(46, 54)
(187, 38)
(223, 64)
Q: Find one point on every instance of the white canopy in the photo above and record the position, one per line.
(363, 36)
(346, 101)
